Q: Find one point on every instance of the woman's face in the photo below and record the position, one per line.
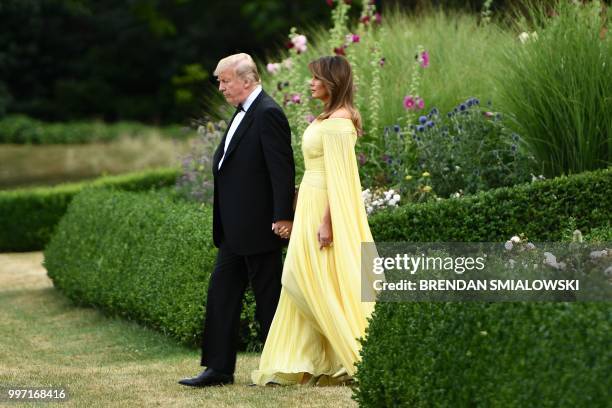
(318, 89)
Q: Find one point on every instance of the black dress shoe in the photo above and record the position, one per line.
(207, 378)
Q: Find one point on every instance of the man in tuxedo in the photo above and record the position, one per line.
(254, 177)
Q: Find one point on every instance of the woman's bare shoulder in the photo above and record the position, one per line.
(341, 113)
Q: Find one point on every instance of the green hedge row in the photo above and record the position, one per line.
(540, 210)
(20, 129)
(28, 216)
(476, 354)
(105, 250)
(145, 256)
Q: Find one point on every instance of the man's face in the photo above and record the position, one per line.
(232, 87)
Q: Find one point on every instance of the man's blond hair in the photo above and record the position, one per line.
(243, 65)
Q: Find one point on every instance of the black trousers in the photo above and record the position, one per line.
(226, 289)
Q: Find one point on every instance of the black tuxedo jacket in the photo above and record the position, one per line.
(255, 185)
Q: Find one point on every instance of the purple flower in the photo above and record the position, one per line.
(362, 159)
(421, 128)
(422, 120)
(430, 124)
(296, 98)
(310, 118)
(382, 62)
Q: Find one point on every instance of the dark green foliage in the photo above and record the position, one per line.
(487, 355)
(539, 210)
(20, 129)
(144, 256)
(29, 216)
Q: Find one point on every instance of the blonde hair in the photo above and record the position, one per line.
(335, 72)
(243, 65)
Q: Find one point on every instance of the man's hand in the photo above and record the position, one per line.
(282, 228)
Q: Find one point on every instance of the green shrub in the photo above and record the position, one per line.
(422, 354)
(20, 129)
(139, 255)
(144, 256)
(28, 216)
(539, 210)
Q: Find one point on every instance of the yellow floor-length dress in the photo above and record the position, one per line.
(320, 314)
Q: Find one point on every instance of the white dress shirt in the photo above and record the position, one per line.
(238, 118)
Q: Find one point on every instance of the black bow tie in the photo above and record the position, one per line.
(239, 109)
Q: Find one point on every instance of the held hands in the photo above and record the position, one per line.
(282, 228)
(325, 234)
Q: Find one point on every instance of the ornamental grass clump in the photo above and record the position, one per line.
(555, 81)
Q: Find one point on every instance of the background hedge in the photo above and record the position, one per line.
(20, 129)
(28, 216)
(540, 210)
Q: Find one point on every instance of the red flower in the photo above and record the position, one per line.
(365, 19)
(330, 3)
(289, 45)
(339, 51)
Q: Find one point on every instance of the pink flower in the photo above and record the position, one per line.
(377, 18)
(295, 98)
(420, 103)
(310, 118)
(409, 102)
(424, 59)
(273, 67)
(287, 63)
(382, 61)
(488, 114)
(299, 42)
(352, 38)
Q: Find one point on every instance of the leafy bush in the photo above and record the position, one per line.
(20, 129)
(144, 256)
(29, 216)
(540, 210)
(555, 81)
(112, 249)
(486, 355)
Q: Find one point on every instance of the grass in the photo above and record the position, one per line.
(104, 361)
(29, 165)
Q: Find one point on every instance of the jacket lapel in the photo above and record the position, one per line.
(243, 127)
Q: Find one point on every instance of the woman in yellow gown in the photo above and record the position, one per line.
(320, 315)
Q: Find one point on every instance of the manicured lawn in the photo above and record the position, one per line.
(101, 361)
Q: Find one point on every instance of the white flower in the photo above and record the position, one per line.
(608, 271)
(508, 245)
(598, 254)
(524, 37)
(396, 197)
(515, 239)
(530, 246)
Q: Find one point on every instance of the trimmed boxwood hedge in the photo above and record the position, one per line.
(144, 256)
(148, 257)
(539, 210)
(487, 355)
(28, 216)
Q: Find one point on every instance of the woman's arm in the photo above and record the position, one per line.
(325, 233)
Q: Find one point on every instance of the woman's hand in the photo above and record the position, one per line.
(325, 234)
